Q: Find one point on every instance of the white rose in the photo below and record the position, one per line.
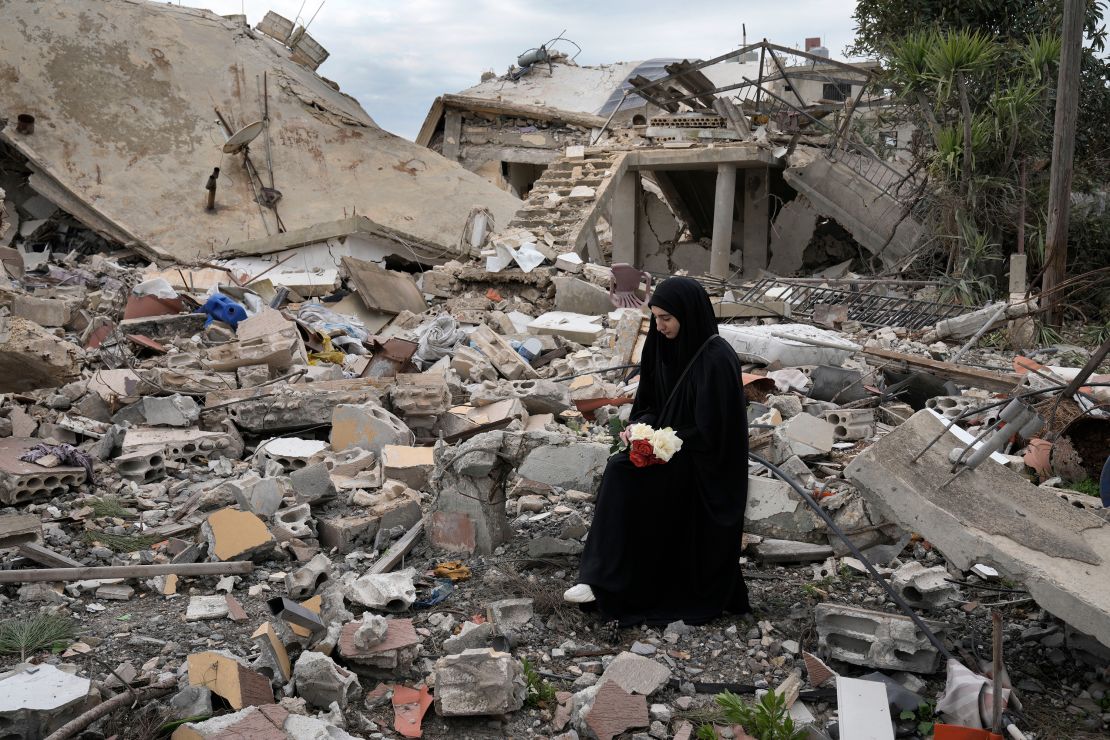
(639, 431)
(664, 442)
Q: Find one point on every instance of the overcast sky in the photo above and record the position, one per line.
(396, 57)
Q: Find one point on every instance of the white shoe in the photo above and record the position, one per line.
(580, 594)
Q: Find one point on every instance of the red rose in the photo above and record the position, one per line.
(642, 447)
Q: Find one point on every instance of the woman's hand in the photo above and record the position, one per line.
(624, 436)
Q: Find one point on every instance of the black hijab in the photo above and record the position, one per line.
(663, 360)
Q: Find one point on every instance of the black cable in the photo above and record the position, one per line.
(906, 608)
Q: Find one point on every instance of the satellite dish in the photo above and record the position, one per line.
(242, 137)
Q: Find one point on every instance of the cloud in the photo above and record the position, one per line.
(396, 58)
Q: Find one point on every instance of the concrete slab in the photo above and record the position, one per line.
(992, 515)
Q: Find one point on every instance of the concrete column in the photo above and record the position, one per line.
(452, 133)
(624, 209)
(722, 220)
(756, 205)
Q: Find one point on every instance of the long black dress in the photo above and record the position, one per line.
(665, 540)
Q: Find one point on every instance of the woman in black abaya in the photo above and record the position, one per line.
(665, 540)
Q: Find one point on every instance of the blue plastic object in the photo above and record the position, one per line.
(1104, 485)
(221, 308)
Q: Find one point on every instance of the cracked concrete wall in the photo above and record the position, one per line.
(126, 137)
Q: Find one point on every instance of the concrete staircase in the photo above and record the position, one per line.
(572, 221)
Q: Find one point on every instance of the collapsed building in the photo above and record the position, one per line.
(187, 153)
(730, 166)
(314, 451)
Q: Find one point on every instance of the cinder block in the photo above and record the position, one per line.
(368, 426)
(924, 587)
(851, 424)
(875, 639)
(951, 407)
(291, 453)
(143, 464)
(21, 482)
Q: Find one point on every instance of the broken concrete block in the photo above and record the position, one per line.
(304, 581)
(187, 446)
(21, 482)
(510, 613)
(48, 312)
(774, 509)
(547, 547)
(875, 639)
(370, 632)
(313, 484)
(803, 435)
(32, 357)
(36, 700)
(578, 466)
(501, 354)
(261, 496)
(236, 535)
(420, 398)
(191, 701)
(537, 396)
(392, 592)
(576, 327)
(573, 295)
(394, 654)
(472, 366)
(636, 674)
(282, 407)
(510, 408)
(256, 722)
(470, 636)
(319, 681)
(274, 659)
(170, 411)
(142, 464)
(466, 482)
(410, 465)
(851, 424)
(368, 426)
(923, 587)
(294, 522)
(478, 682)
(346, 533)
(229, 678)
(291, 453)
(206, 607)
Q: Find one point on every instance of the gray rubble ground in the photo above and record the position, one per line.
(314, 511)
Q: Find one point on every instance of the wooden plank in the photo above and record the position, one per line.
(389, 559)
(18, 528)
(46, 556)
(1001, 382)
(126, 571)
(522, 110)
(384, 290)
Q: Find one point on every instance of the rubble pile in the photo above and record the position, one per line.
(399, 513)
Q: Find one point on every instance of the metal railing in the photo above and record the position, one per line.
(868, 307)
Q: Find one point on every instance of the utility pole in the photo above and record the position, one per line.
(1063, 147)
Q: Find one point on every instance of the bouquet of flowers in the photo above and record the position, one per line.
(648, 446)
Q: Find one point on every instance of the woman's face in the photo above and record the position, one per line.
(666, 324)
